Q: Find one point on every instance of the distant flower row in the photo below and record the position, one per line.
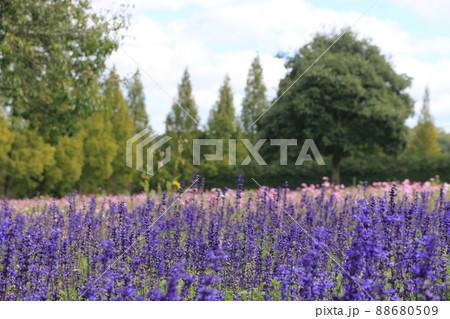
(339, 191)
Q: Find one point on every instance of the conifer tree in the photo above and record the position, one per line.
(221, 123)
(100, 150)
(121, 120)
(425, 140)
(255, 100)
(183, 117)
(444, 141)
(63, 176)
(182, 127)
(7, 136)
(136, 103)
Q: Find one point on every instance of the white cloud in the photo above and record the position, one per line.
(430, 9)
(222, 37)
(394, 40)
(436, 78)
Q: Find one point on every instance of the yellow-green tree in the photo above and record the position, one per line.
(123, 128)
(100, 150)
(425, 139)
(25, 159)
(63, 177)
(444, 141)
(6, 142)
(136, 104)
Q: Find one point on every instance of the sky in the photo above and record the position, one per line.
(213, 38)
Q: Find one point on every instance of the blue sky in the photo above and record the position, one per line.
(214, 38)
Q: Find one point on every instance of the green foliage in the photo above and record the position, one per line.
(255, 100)
(91, 160)
(222, 117)
(371, 168)
(52, 55)
(184, 115)
(182, 128)
(349, 100)
(444, 141)
(52, 58)
(62, 177)
(6, 140)
(100, 150)
(425, 139)
(425, 134)
(28, 158)
(145, 185)
(119, 116)
(136, 103)
(388, 168)
(223, 125)
(7, 137)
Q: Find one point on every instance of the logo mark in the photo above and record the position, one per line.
(149, 137)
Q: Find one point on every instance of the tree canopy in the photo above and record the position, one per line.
(52, 54)
(351, 99)
(182, 127)
(425, 134)
(136, 102)
(183, 117)
(255, 100)
(222, 117)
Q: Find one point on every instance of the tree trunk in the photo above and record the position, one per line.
(335, 177)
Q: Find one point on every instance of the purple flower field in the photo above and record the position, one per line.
(325, 242)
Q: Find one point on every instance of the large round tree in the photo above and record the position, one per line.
(351, 99)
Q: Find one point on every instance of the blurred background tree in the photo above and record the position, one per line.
(350, 99)
(99, 150)
(65, 118)
(27, 160)
(136, 103)
(182, 127)
(222, 116)
(120, 117)
(444, 141)
(51, 58)
(255, 99)
(222, 124)
(183, 117)
(425, 135)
